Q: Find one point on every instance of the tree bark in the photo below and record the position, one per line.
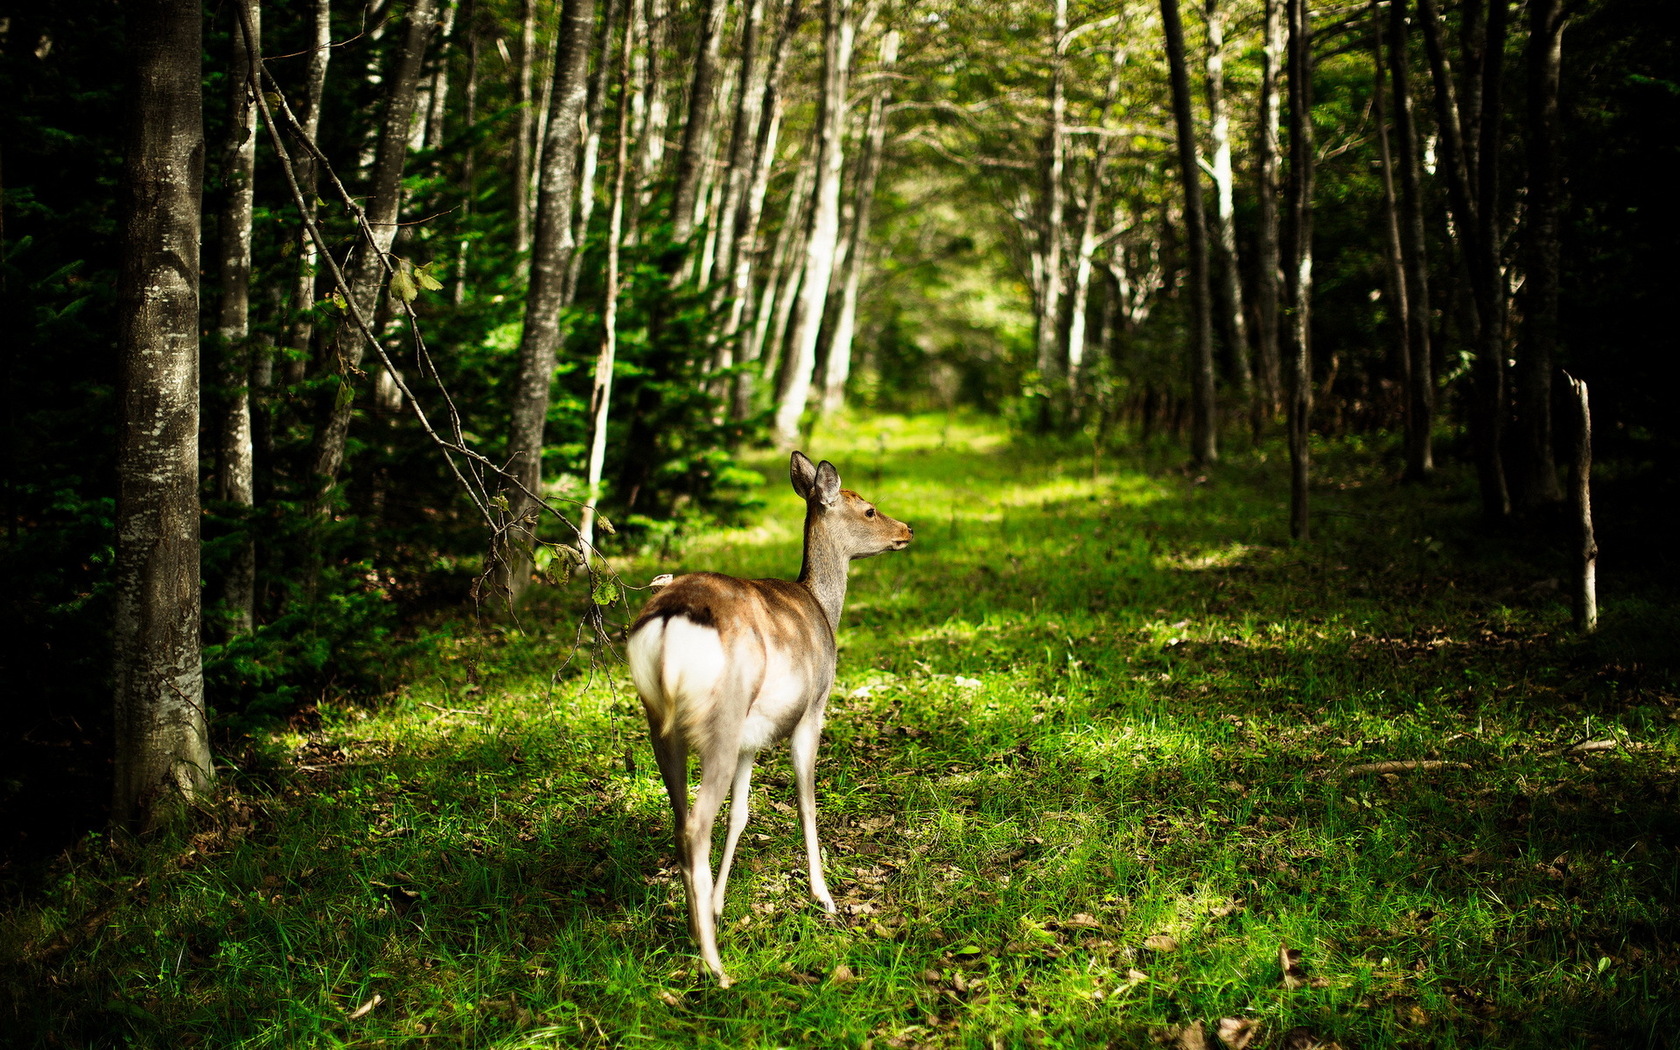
(1586, 580)
(1229, 320)
(1204, 442)
(309, 119)
(838, 360)
(367, 272)
(162, 746)
(539, 342)
(1537, 468)
(1053, 158)
(697, 128)
(1420, 371)
(236, 474)
(1298, 255)
(823, 240)
(600, 399)
(1267, 274)
(526, 122)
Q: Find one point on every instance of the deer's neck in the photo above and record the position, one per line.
(824, 571)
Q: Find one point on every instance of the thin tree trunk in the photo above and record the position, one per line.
(1267, 276)
(1399, 304)
(738, 178)
(838, 360)
(551, 251)
(162, 744)
(1204, 443)
(650, 136)
(589, 162)
(1298, 256)
(1053, 159)
(697, 128)
(1084, 256)
(781, 289)
(1469, 194)
(469, 154)
(749, 212)
(1538, 482)
(367, 272)
(526, 122)
(823, 240)
(1586, 580)
(309, 119)
(600, 399)
(1420, 371)
(1229, 322)
(236, 475)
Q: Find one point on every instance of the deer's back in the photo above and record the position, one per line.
(710, 649)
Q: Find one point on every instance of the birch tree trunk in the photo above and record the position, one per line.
(1204, 444)
(1420, 371)
(600, 399)
(838, 360)
(1298, 261)
(589, 161)
(523, 142)
(1047, 335)
(1085, 254)
(823, 239)
(1267, 273)
(781, 289)
(162, 746)
(738, 178)
(1537, 477)
(309, 119)
(1229, 322)
(366, 273)
(236, 475)
(1585, 592)
(539, 342)
(697, 129)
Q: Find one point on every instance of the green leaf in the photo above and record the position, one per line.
(423, 275)
(402, 285)
(606, 592)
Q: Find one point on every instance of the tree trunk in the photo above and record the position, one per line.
(838, 361)
(1204, 443)
(551, 252)
(1537, 469)
(1399, 304)
(1472, 198)
(650, 134)
(738, 176)
(1229, 322)
(366, 274)
(600, 399)
(1586, 580)
(526, 114)
(697, 128)
(1085, 254)
(235, 475)
(781, 289)
(823, 240)
(1298, 255)
(748, 212)
(1053, 158)
(1267, 276)
(162, 745)
(1420, 371)
(309, 119)
(589, 160)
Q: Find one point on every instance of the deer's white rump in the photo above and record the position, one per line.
(726, 667)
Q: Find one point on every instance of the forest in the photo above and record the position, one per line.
(1261, 378)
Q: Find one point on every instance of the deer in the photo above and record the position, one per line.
(726, 667)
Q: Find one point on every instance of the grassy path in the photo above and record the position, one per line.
(1091, 777)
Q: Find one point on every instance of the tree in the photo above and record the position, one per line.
(1227, 301)
(1298, 260)
(1267, 268)
(1537, 480)
(162, 741)
(235, 475)
(539, 342)
(823, 239)
(1420, 356)
(1204, 441)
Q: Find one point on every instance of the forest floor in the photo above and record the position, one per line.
(1110, 761)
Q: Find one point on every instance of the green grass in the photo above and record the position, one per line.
(1098, 702)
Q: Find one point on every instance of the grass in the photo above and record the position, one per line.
(1089, 769)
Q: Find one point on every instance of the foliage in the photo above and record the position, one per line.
(1091, 775)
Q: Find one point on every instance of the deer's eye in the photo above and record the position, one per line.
(870, 513)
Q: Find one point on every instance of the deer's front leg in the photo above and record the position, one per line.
(803, 745)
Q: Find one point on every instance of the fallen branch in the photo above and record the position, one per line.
(1411, 766)
(1581, 747)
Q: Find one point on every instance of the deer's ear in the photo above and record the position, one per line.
(803, 474)
(828, 483)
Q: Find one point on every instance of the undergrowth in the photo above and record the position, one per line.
(1109, 758)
